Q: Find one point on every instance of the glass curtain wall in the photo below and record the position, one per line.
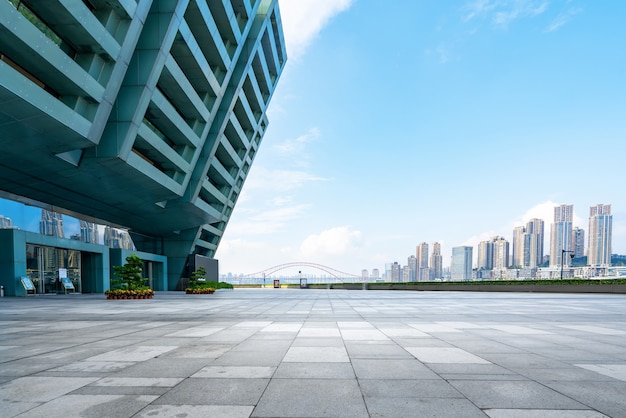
(43, 265)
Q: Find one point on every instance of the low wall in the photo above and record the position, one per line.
(539, 288)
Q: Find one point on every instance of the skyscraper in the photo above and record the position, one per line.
(117, 238)
(578, 241)
(500, 253)
(51, 223)
(422, 262)
(518, 246)
(5, 223)
(436, 262)
(412, 268)
(561, 235)
(88, 232)
(485, 255)
(600, 236)
(461, 264)
(533, 243)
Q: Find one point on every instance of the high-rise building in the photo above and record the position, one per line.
(461, 264)
(5, 223)
(365, 274)
(396, 272)
(88, 232)
(600, 236)
(578, 241)
(436, 262)
(518, 246)
(533, 243)
(51, 224)
(142, 114)
(117, 238)
(561, 236)
(375, 274)
(412, 268)
(485, 255)
(500, 253)
(422, 262)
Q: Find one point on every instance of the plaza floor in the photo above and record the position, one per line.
(314, 353)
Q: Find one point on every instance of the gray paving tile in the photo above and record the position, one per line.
(380, 351)
(95, 406)
(546, 355)
(41, 389)
(422, 407)
(316, 355)
(391, 369)
(197, 391)
(542, 413)
(514, 394)
(396, 388)
(314, 371)
(448, 355)
(202, 351)
(236, 372)
(213, 411)
(311, 398)
(605, 397)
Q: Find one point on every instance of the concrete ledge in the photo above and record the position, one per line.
(539, 288)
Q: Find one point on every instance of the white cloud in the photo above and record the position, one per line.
(502, 12)
(335, 241)
(562, 19)
(268, 180)
(304, 19)
(297, 145)
(267, 221)
(545, 211)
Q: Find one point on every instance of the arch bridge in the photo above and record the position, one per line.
(336, 275)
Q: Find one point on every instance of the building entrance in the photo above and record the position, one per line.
(46, 266)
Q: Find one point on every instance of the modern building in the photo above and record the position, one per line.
(461, 264)
(89, 232)
(500, 253)
(412, 268)
(436, 262)
(518, 246)
(142, 115)
(600, 236)
(5, 223)
(533, 244)
(561, 236)
(51, 224)
(422, 262)
(485, 255)
(578, 241)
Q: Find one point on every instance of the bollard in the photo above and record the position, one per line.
(1, 291)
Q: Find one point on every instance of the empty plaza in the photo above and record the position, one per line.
(314, 353)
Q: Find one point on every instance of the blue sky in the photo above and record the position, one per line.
(408, 121)
(401, 122)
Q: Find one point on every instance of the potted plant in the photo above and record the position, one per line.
(130, 283)
(198, 284)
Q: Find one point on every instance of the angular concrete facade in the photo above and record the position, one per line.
(142, 114)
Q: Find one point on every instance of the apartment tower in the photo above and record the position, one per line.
(600, 236)
(561, 236)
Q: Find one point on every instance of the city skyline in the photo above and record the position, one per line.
(494, 255)
(426, 265)
(448, 123)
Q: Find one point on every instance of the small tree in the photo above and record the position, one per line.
(196, 276)
(130, 273)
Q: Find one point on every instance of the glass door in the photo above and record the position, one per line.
(43, 264)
